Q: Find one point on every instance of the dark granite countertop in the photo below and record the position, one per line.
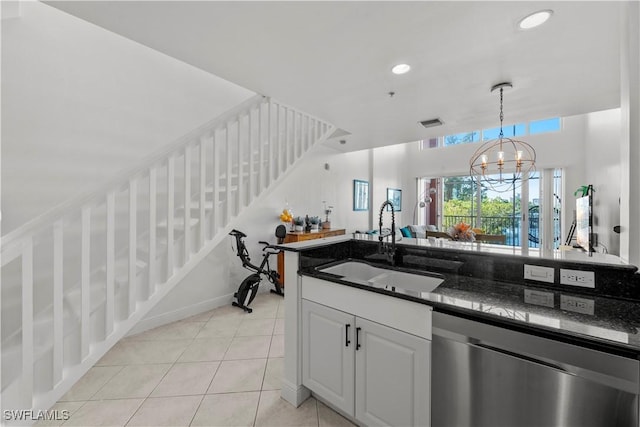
(488, 286)
(603, 323)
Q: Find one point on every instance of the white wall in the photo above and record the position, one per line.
(207, 286)
(304, 188)
(80, 103)
(630, 133)
(603, 169)
(389, 171)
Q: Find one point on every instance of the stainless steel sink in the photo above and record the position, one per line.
(398, 281)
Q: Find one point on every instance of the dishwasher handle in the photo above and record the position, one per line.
(520, 356)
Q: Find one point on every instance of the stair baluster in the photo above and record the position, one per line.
(108, 276)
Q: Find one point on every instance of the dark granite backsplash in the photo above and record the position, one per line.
(325, 254)
(611, 280)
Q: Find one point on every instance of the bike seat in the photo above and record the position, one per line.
(235, 232)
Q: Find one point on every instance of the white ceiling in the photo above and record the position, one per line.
(333, 59)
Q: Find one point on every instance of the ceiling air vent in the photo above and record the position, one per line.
(431, 123)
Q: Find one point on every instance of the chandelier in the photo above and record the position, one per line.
(500, 163)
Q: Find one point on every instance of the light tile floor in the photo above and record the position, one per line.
(219, 368)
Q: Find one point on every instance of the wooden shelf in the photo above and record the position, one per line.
(299, 236)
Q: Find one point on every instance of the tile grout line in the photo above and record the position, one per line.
(165, 374)
(89, 399)
(193, 417)
(255, 418)
(172, 365)
(134, 412)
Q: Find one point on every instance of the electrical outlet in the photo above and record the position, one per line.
(585, 279)
(577, 305)
(539, 273)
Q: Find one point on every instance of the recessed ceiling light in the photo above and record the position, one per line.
(535, 19)
(400, 69)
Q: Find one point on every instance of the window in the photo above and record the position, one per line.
(519, 129)
(508, 131)
(547, 125)
(463, 200)
(428, 143)
(462, 138)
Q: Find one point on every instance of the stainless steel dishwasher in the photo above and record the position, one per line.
(484, 375)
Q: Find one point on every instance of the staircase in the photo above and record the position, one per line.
(78, 278)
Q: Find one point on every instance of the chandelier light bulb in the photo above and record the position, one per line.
(518, 160)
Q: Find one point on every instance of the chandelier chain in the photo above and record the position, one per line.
(501, 116)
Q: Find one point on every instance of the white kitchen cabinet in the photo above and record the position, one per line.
(392, 376)
(327, 354)
(372, 372)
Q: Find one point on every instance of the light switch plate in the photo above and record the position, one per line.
(539, 273)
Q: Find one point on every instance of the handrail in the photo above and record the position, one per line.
(121, 178)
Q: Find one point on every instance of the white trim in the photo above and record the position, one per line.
(293, 394)
(180, 314)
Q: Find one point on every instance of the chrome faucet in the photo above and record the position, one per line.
(389, 251)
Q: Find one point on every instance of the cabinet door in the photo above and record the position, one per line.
(327, 354)
(392, 376)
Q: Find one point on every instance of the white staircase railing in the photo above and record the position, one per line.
(78, 278)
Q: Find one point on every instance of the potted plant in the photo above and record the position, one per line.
(299, 223)
(315, 223)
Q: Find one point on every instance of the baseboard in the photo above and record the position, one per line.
(294, 394)
(181, 313)
(338, 410)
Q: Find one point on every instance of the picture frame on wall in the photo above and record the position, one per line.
(360, 195)
(394, 195)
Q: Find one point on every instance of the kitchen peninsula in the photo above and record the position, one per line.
(585, 336)
(301, 236)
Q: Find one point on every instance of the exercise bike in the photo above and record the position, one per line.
(249, 287)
